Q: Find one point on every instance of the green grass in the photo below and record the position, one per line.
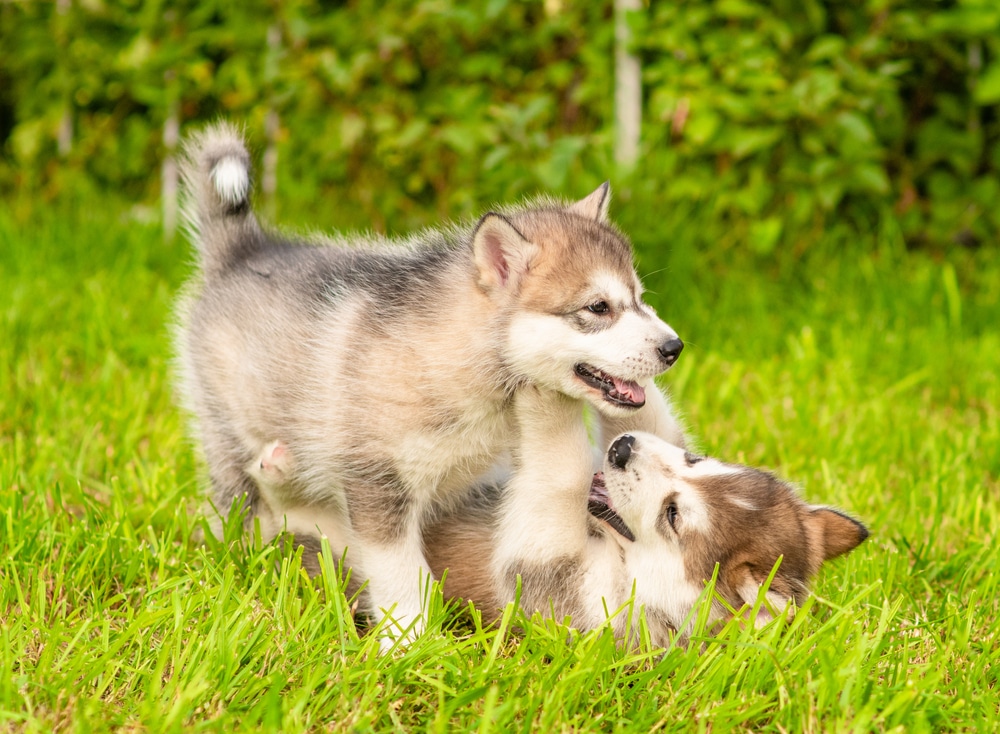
(870, 380)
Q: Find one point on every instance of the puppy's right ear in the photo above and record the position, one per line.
(594, 206)
(838, 533)
(502, 254)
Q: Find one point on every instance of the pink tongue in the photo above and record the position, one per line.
(598, 491)
(631, 391)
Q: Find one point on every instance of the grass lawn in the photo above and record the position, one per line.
(871, 380)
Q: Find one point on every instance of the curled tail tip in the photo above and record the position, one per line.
(218, 157)
(231, 179)
(217, 183)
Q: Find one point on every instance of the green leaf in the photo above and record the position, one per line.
(988, 85)
(702, 126)
(738, 9)
(461, 138)
(856, 128)
(554, 170)
(830, 193)
(747, 142)
(826, 47)
(869, 178)
(497, 155)
(412, 133)
(823, 168)
(764, 235)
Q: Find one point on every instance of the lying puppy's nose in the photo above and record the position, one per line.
(621, 450)
(670, 350)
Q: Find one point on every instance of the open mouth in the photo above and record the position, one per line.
(617, 392)
(599, 505)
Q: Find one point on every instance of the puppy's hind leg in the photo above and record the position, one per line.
(234, 490)
(272, 468)
(308, 525)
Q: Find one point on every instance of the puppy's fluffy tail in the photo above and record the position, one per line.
(216, 174)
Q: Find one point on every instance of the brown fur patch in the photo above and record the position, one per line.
(552, 588)
(838, 533)
(459, 539)
(749, 535)
(571, 248)
(462, 541)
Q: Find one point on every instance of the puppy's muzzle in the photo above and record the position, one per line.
(621, 451)
(670, 350)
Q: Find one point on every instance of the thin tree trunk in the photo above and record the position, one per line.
(171, 134)
(269, 179)
(628, 88)
(64, 136)
(975, 54)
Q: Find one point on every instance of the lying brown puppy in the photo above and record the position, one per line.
(657, 521)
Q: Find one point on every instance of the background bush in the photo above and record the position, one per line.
(778, 119)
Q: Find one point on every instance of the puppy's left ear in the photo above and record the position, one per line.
(837, 533)
(596, 205)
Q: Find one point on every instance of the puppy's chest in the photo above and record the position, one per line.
(448, 454)
(605, 579)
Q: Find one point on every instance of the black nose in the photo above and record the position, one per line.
(621, 450)
(670, 350)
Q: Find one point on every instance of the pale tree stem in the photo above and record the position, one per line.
(171, 134)
(975, 54)
(628, 88)
(64, 137)
(269, 177)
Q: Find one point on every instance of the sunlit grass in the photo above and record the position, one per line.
(869, 380)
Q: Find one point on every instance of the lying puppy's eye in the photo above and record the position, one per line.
(600, 307)
(672, 515)
(691, 459)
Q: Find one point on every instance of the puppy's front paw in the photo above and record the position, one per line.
(396, 637)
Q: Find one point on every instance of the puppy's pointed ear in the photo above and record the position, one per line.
(503, 255)
(596, 205)
(837, 532)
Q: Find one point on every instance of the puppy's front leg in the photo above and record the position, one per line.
(542, 529)
(656, 417)
(385, 520)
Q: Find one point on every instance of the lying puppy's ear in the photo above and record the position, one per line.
(502, 254)
(596, 205)
(837, 533)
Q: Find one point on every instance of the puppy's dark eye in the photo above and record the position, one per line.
(691, 459)
(600, 307)
(672, 515)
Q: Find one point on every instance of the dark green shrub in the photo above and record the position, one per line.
(775, 121)
(788, 117)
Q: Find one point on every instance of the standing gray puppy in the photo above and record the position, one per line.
(385, 377)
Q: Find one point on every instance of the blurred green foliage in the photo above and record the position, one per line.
(778, 119)
(792, 113)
